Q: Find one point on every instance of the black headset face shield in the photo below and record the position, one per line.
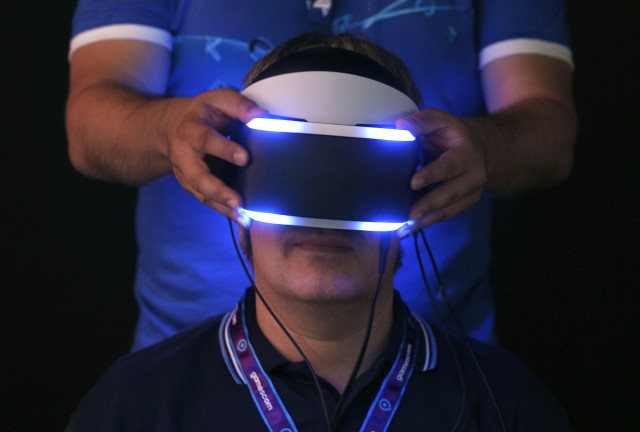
(329, 157)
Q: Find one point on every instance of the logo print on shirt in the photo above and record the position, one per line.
(399, 8)
(324, 5)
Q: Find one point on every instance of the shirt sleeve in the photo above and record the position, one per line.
(509, 27)
(97, 20)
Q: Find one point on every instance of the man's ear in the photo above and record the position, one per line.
(245, 243)
(399, 256)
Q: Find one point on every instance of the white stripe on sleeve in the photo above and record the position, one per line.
(121, 31)
(524, 46)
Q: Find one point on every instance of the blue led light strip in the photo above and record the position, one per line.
(294, 126)
(320, 223)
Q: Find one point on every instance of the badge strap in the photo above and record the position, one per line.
(386, 403)
(263, 392)
(269, 404)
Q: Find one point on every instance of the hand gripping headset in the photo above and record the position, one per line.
(329, 155)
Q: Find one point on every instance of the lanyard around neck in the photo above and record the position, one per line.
(271, 407)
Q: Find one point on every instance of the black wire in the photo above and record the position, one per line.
(453, 313)
(434, 266)
(463, 389)
(385, 239)
(295, 344)
(356, 368)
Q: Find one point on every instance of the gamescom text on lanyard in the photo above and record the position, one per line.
(270, 405)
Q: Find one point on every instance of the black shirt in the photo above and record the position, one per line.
(186, 384)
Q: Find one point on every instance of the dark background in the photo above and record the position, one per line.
(565, 263)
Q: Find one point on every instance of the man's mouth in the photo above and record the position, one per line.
(321, 240)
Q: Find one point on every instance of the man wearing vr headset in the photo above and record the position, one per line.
(146, 106)
(317, 294)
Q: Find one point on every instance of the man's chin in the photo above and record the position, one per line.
(332, 289)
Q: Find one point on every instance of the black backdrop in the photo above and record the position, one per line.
(565, 263)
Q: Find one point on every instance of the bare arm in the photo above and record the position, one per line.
(525, 142)
(121, 128)
(530, 97)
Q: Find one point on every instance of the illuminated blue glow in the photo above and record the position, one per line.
(388, 134)
(276, 125)
(294, 126)
(271, 218)
(279, 219)
(245, 219)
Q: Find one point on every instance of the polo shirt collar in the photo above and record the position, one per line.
(271, 359)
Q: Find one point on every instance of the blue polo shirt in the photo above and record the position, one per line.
(187, 270)
(187, 383)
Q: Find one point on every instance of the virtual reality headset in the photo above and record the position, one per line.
(329, 155)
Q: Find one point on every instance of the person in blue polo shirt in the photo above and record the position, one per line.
(150, 97)
(321, 341)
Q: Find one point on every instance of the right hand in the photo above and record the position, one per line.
(199, 129)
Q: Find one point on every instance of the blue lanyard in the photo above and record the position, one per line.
(269, 404)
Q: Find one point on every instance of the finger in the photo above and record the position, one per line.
(218, 145)
(232, 104)
(444, 214)
(449, 193)
(195, 177)
(195, 139)
(424, 219)
(224, 210)
(425, 121)
(447, 166)
(230, 210)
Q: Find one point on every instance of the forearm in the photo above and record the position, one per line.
(524, 145)
(527, 145)
(121, 129)
(119, 135)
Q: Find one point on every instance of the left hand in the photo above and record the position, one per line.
(458, 166)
